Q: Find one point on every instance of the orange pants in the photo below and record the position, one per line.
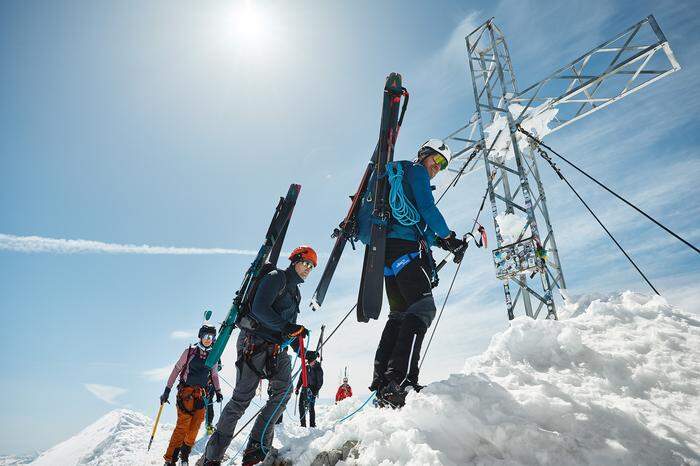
(188, 423)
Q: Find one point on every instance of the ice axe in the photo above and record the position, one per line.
(155, 426)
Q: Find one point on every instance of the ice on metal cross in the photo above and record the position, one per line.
(527, 262)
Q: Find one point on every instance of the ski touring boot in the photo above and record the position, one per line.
(204, 462)
(391, 395)
(176, 453)
(253, 454)
(185, 455)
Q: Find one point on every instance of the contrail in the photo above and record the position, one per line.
(37, 244)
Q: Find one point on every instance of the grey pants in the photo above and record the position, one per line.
(246, 384)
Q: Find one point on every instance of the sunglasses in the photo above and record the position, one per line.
(308, 264)
(441, 160)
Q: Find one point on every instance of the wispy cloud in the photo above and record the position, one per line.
(158, 374)
(444, 73)
(38, 244)
(106, 393)
(181, 335)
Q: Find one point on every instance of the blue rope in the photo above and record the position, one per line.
(358, 409)
(289, 388)
(240, 449)
(401, 208)
(283, 346)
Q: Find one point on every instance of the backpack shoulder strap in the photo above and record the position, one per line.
(191, 351)
(284, 282)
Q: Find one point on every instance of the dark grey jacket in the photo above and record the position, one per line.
(276, 303)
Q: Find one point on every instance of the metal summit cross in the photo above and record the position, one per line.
(528, 261)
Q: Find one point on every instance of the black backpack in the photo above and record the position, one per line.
(247, 304)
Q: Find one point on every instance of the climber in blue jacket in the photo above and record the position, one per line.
(409, 275)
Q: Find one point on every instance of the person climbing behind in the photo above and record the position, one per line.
(344, 391)
(193, 375)
(410, 275)
(262, 354)
(308, 396)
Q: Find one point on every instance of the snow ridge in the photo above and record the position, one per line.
(616, 383)
(118, 438)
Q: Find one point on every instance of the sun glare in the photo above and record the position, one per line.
(249, 23)
(246, 28)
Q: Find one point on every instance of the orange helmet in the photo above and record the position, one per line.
(304, 253)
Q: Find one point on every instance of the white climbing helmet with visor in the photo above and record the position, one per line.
(436, 146)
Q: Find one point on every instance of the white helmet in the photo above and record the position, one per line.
(434, 145)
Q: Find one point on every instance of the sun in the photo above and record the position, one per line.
(249, 23)
(245, 27)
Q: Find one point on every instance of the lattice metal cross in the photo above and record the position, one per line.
(616, 68)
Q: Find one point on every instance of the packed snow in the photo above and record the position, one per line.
(511, 227)
(615, 381)
(534, 120)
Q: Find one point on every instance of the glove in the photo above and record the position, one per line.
(219, 397)
(165, 395)
(294, 330)
(455, 245)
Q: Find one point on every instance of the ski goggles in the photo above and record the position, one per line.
(207, 336)
(441, 160)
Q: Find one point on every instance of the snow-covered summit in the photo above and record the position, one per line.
(616, 383)
(117, 438)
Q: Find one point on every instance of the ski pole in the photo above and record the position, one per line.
(155, 426)
(302, 355)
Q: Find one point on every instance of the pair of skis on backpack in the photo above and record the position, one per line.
(371, 194)
(374, 190)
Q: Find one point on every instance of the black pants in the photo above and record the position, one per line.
(307, 399)
(412, 310)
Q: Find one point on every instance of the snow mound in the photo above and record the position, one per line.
(120, 437)
(615, 383)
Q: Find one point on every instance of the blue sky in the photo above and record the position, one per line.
(173, 124)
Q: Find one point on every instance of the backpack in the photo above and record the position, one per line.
(364, 216)
(247, 304)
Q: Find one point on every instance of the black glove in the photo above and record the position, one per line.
(219, 397)
(165, 395)
(294, 330)
(455, 245)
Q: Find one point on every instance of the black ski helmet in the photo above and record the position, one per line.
(206, 329)
(311, 355)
